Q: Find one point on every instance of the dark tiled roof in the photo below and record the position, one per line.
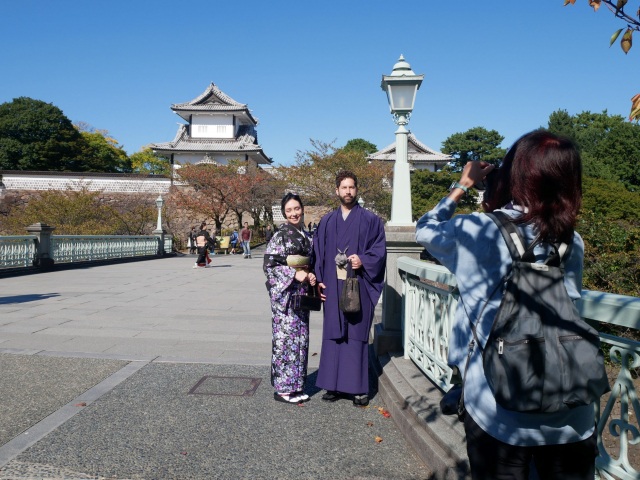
(213, 100)
(245, 143)
(418, 152)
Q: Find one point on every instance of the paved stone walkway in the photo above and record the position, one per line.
(155, 370)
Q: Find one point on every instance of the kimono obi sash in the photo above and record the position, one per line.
(299, 262)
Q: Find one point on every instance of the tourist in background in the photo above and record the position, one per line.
(203, 242)
(191, 240)
(288, 265)
(233, 241)
(539, 187)
(268, 233)
(245, 237)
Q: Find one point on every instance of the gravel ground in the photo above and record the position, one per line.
(151, 427)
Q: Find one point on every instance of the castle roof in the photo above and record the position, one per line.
(214, 100)
(417, 152)
(243, 144)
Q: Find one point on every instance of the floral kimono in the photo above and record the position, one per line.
(290, 327)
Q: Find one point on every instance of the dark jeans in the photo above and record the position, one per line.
(202, 255)
(491, 459)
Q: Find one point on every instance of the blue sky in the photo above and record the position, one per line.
(312, 70)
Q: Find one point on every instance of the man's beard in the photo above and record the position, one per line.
(347, 201)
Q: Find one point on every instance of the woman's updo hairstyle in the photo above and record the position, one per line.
(285, 200)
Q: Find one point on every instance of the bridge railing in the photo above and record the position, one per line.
(17, 251)
(24, 251)
(79, 248)
(429, 303)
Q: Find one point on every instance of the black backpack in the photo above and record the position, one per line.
(541, 357)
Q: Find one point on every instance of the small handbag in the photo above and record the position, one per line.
(311, 301)
(349, 301)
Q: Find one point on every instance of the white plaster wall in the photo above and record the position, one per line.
(212, 126)
(111, 185)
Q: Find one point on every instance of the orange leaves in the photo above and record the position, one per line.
(567, 2)
(595, 4)
(384, 413)
(635, 108)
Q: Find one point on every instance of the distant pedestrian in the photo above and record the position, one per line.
(268, 234)
(191, 240)
(245, 237)
(204, 242)
(233, 241)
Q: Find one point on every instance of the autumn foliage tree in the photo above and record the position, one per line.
(216, 190)
(314, 172)
(83, 212)
(630, 16)
(259, 191)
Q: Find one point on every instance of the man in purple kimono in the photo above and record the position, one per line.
(348, 234)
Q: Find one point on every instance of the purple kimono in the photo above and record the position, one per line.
(290, 327)
(344, 365)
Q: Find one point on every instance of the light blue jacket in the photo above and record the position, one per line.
(472, 248)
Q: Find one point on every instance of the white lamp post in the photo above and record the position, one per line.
(159, 204)
(159, 232)
(401, 87)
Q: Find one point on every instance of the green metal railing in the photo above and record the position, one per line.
(17, 251)
(21, 251)
(429, 303)
(78, 248)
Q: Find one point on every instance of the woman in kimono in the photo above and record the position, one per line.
(288, 265)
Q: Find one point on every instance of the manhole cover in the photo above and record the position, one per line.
(234, 386)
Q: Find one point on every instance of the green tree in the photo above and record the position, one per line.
(147, 161)
(606, 198)
(101, 152)
(475, 144)
(561, 123)
(428, 188)
(35, 135)
(360, 145)
(609, 145)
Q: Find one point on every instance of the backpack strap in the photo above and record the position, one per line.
(516, 244)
